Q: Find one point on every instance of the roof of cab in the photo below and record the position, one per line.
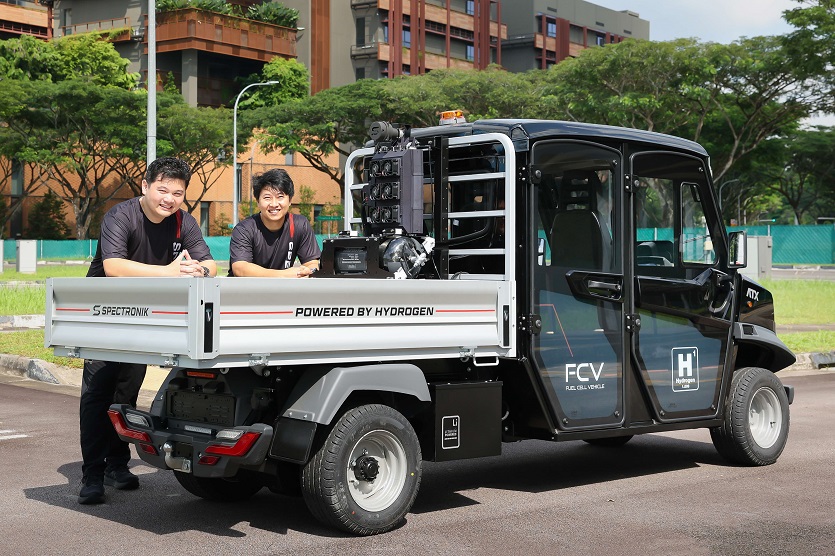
(537, 129)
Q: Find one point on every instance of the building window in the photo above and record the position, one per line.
(407, 38)
(470, 52)
(360, 31)
(575, 35)
(204, 217)
(551, 28)
(66, 21)
(359, 73)
(17, 178)
(385, 33)
(288, 158)
(470, 8)
(600, 39)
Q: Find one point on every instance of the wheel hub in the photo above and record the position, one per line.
(366, 468)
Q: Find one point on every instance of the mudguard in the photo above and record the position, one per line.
(319, 394)
(779, 356)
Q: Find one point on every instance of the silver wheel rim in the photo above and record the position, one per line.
(378, 494)
(765, 417)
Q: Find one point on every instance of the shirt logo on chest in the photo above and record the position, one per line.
(177, 247)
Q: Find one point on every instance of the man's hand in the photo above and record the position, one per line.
(188, 266)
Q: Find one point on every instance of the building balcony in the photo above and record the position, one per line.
(223, 34)
(438, 14)
(117, 30)
(27, 18)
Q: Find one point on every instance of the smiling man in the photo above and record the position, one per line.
(269, 242)
(143, 236)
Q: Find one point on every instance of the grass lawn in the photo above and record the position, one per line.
(803, 301)
(29, 343)
(44, 271)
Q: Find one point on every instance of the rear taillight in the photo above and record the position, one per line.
(238, 449)
(123, 430)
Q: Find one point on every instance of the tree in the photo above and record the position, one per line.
(201, 137)
(729, 97)
(87, 57)
(332, 121)
(797, 169)
(47, 219)
(810, 45)
(77, 131)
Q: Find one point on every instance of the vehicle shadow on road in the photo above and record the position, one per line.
(537, 466)
(161, 506)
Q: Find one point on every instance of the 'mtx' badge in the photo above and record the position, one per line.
(685, 367)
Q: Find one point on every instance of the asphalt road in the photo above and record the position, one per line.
(660, 494)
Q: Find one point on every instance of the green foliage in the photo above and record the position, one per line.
(217, 6)
(42, 272)
(200, 136)
(275, 13)
(80, 132)
(333, 120)
(293, 84)
(796, 168)
(47, 219)
(87, 56)
(170, 84)
(220, 226)
(306, 195)
(170, 5)
(810, 47)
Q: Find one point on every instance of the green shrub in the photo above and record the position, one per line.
(275, 13)
(47, 219)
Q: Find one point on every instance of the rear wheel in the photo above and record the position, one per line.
(365, 476)
(756, 424)
(241, 487)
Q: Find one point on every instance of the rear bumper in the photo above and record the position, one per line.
(203, 455)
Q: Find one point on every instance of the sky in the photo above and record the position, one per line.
(720, 21)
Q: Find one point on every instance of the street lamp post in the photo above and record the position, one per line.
(721, 187)
(235, 184)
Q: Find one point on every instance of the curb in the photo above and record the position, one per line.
(23, 321)
(35, 369)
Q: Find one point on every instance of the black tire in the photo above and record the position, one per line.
(241, 487)
(365, 476)
(611, 442)
(756, 422)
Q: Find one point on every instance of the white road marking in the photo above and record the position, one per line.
(11, 436)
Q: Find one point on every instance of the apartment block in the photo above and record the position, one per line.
(204, 52)
(545, 32)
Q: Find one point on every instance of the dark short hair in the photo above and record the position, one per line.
(277, 179)
(168, 167)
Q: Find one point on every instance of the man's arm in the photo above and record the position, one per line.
(125, 267)
(247, 269)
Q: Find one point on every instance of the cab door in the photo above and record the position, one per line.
(682, 297)
(578, 281)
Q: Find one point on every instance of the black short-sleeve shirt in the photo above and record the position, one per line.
(252, 242)
(126, 233)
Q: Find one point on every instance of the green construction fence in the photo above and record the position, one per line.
(806, 245)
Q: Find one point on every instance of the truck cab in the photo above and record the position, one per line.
(495, 281)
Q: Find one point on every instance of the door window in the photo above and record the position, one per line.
(671, 230)
(577, 280)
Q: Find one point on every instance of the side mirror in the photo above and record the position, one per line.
(737, 249)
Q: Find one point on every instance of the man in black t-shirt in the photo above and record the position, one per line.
(268, 243)
(143, 236)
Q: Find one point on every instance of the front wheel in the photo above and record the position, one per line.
(756, 424)
(365, 476)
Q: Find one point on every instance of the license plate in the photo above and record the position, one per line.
(201, 408)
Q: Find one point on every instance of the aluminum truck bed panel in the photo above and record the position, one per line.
(238, 322)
